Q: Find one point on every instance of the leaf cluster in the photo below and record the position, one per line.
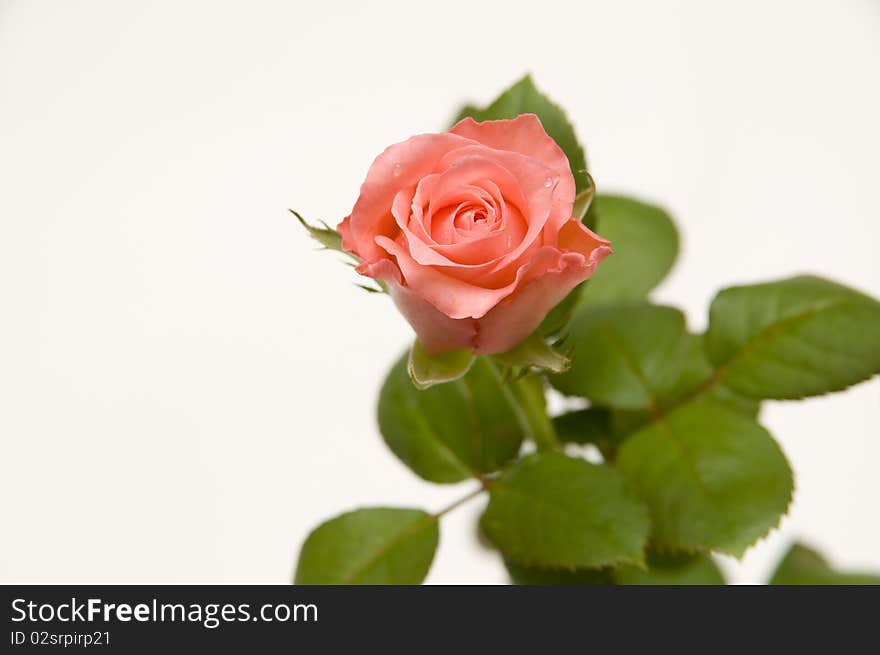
(683, 467)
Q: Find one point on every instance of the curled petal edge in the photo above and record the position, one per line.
(516, 315)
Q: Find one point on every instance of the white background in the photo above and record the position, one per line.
(187, 387)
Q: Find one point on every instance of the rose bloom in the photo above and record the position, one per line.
(472, 232)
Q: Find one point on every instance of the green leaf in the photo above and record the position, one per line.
(521, 574)
(793, 338)
(713, 478)
(427, 371)
(605, 428)
(671, 569)
(326, 236)
(451, 431)
(662, 569)
(524, 98)
(624, 356)
(584, 426)
(370, 546)
(804, 566)
(626, 422)
(535, 353)
(467, 110)
(593, 425)
(698, 380)
(556, 511)
(645, 244)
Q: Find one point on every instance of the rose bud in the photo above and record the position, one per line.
(471, 231)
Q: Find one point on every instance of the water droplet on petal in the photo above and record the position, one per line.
(549, 182)
(396, 169)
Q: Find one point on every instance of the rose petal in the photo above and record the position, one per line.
(577, 237)
(472, 232)
(525, 134)
(515, 318)
(400, 166)
(457, 298)
(451, 187)
(436, 331)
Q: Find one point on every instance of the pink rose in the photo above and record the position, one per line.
(472, 232)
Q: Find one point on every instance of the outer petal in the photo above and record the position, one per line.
(453, 297)
(576, 237)
(436, 331)
(459, 299)
(516, 317)
(525, 134)
(540, 286)
(399, 166)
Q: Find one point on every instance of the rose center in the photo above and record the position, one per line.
(474, 221)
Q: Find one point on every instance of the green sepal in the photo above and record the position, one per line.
(536, 354)
(329, 238)
(426, 371)
(583, 200)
